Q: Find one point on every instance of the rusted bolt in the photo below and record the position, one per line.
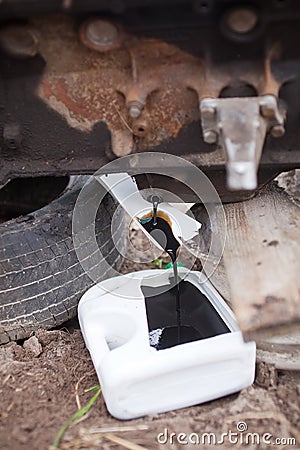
(268, 110)
(135, 108)
(242, 20)
(208, 112)
(277, 131)
(140, 127)
(210, 136)
(100, 35)
(19, 41)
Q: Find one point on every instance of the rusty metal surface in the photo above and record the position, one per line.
(94, 87)
(74, 106)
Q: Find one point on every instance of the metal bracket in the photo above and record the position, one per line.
(239, 125)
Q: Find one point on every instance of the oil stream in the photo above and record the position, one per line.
(201, 319)
(161, 231)
(158, 225)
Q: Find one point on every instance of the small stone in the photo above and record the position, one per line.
(266, 375)
(33, 346)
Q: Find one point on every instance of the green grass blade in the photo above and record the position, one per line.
(77, 415)
(93, 388)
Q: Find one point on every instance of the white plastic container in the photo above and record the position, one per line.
(137, 379)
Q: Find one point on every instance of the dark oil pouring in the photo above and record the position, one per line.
(192, 311)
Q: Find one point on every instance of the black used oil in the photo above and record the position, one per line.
(181, 314)
(199, 319)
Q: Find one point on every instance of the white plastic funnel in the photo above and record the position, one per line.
(124, 188)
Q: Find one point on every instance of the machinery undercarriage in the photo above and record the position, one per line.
(216, 82)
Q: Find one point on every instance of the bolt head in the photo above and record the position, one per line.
(100, 35)
(242, 20)
(134, 111)
(135, 108)
(268, 110)
(19, 41)
(210, 136)
(277, 131)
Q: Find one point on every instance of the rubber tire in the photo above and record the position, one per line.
(41, 279)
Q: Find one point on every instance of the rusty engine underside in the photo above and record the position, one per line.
(216, 82)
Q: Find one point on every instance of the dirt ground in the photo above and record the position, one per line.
(41, 379)
(43, 382)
